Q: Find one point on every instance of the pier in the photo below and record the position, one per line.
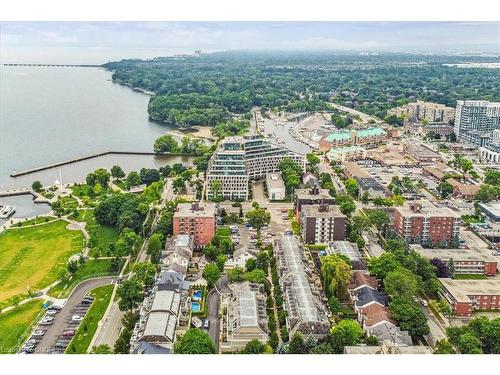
(87, 157)
(56, 65)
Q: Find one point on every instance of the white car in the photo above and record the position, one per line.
(52, 312)
(423, 302)
(39, 333)
(77, 318)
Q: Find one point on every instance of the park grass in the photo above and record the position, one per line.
(81, 190)
(36, 220)
(91, 268)
(30, 257)
(104, 235)
(83, 336)
(467, 276)
(121, 184)
(15, 325)
(69, 203)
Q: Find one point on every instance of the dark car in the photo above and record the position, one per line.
(86, 302)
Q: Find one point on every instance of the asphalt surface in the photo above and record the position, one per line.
(111, 327)
(62, 320)
(213, 300)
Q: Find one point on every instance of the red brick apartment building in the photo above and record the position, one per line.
(466, 296)
(196, 219)
(467, 261)
(423, 222)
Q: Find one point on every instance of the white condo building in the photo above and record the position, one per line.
(476, 120)
(240, 159)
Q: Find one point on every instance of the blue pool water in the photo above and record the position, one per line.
(197, 295)
(195, 306)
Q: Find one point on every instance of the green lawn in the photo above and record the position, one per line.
(88, 327)
(31, 256)
(466, 276)
(69, 203)
(15, 325)
(104, 235)
(91, 268)
(120, 184)
(37, 220)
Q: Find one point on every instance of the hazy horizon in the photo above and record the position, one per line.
(99, 42)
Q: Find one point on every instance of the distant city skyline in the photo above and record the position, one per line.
(98, 42)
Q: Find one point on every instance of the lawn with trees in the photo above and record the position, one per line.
(32, 256)
(15, 325)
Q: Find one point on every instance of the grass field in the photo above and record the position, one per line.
(15, 325)
(104, 234)
(91, 268)
(468, 276)
(88, 327)
(37, 220)
(31, 256)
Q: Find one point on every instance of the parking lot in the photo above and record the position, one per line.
(53, 334)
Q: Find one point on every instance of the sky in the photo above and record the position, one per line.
(98, 42)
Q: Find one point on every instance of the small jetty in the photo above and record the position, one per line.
(56, 65)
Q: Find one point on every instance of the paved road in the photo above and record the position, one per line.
(213, 301)
(437, 330)
(61, 319)
(111, 327)
(364, 116)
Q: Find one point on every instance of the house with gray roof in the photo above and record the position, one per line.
(245, 317)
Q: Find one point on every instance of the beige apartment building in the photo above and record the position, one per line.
(419, 111)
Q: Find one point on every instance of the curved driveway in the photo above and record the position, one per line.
(60, 319)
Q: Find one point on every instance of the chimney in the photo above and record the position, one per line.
(416, 207)
(314, 190)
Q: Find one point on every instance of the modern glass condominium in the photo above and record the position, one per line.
(241, 159)
(475, 119)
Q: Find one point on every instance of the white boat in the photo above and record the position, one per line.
(6, 211)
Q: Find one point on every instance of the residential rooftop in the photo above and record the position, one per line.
(275, 181)
(366, 183)
(312, 194)
(462, 289)
(322, 211)
(198, 209)
(426, 208)
(493, 207)
(472, 255)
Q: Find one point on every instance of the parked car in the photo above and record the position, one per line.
(89, 297)
(48, 319)
(77, 318)
(206, 325)
(424, 302)
(86, 302)
(69, 333)
(55, 307)
(52, 312)
(38, 333)
(46, 322)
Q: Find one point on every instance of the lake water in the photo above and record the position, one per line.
(52, 114)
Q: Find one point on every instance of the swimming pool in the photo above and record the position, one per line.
(197, 294)
(195, 306)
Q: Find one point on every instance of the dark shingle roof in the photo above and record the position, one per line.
(366, 295)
